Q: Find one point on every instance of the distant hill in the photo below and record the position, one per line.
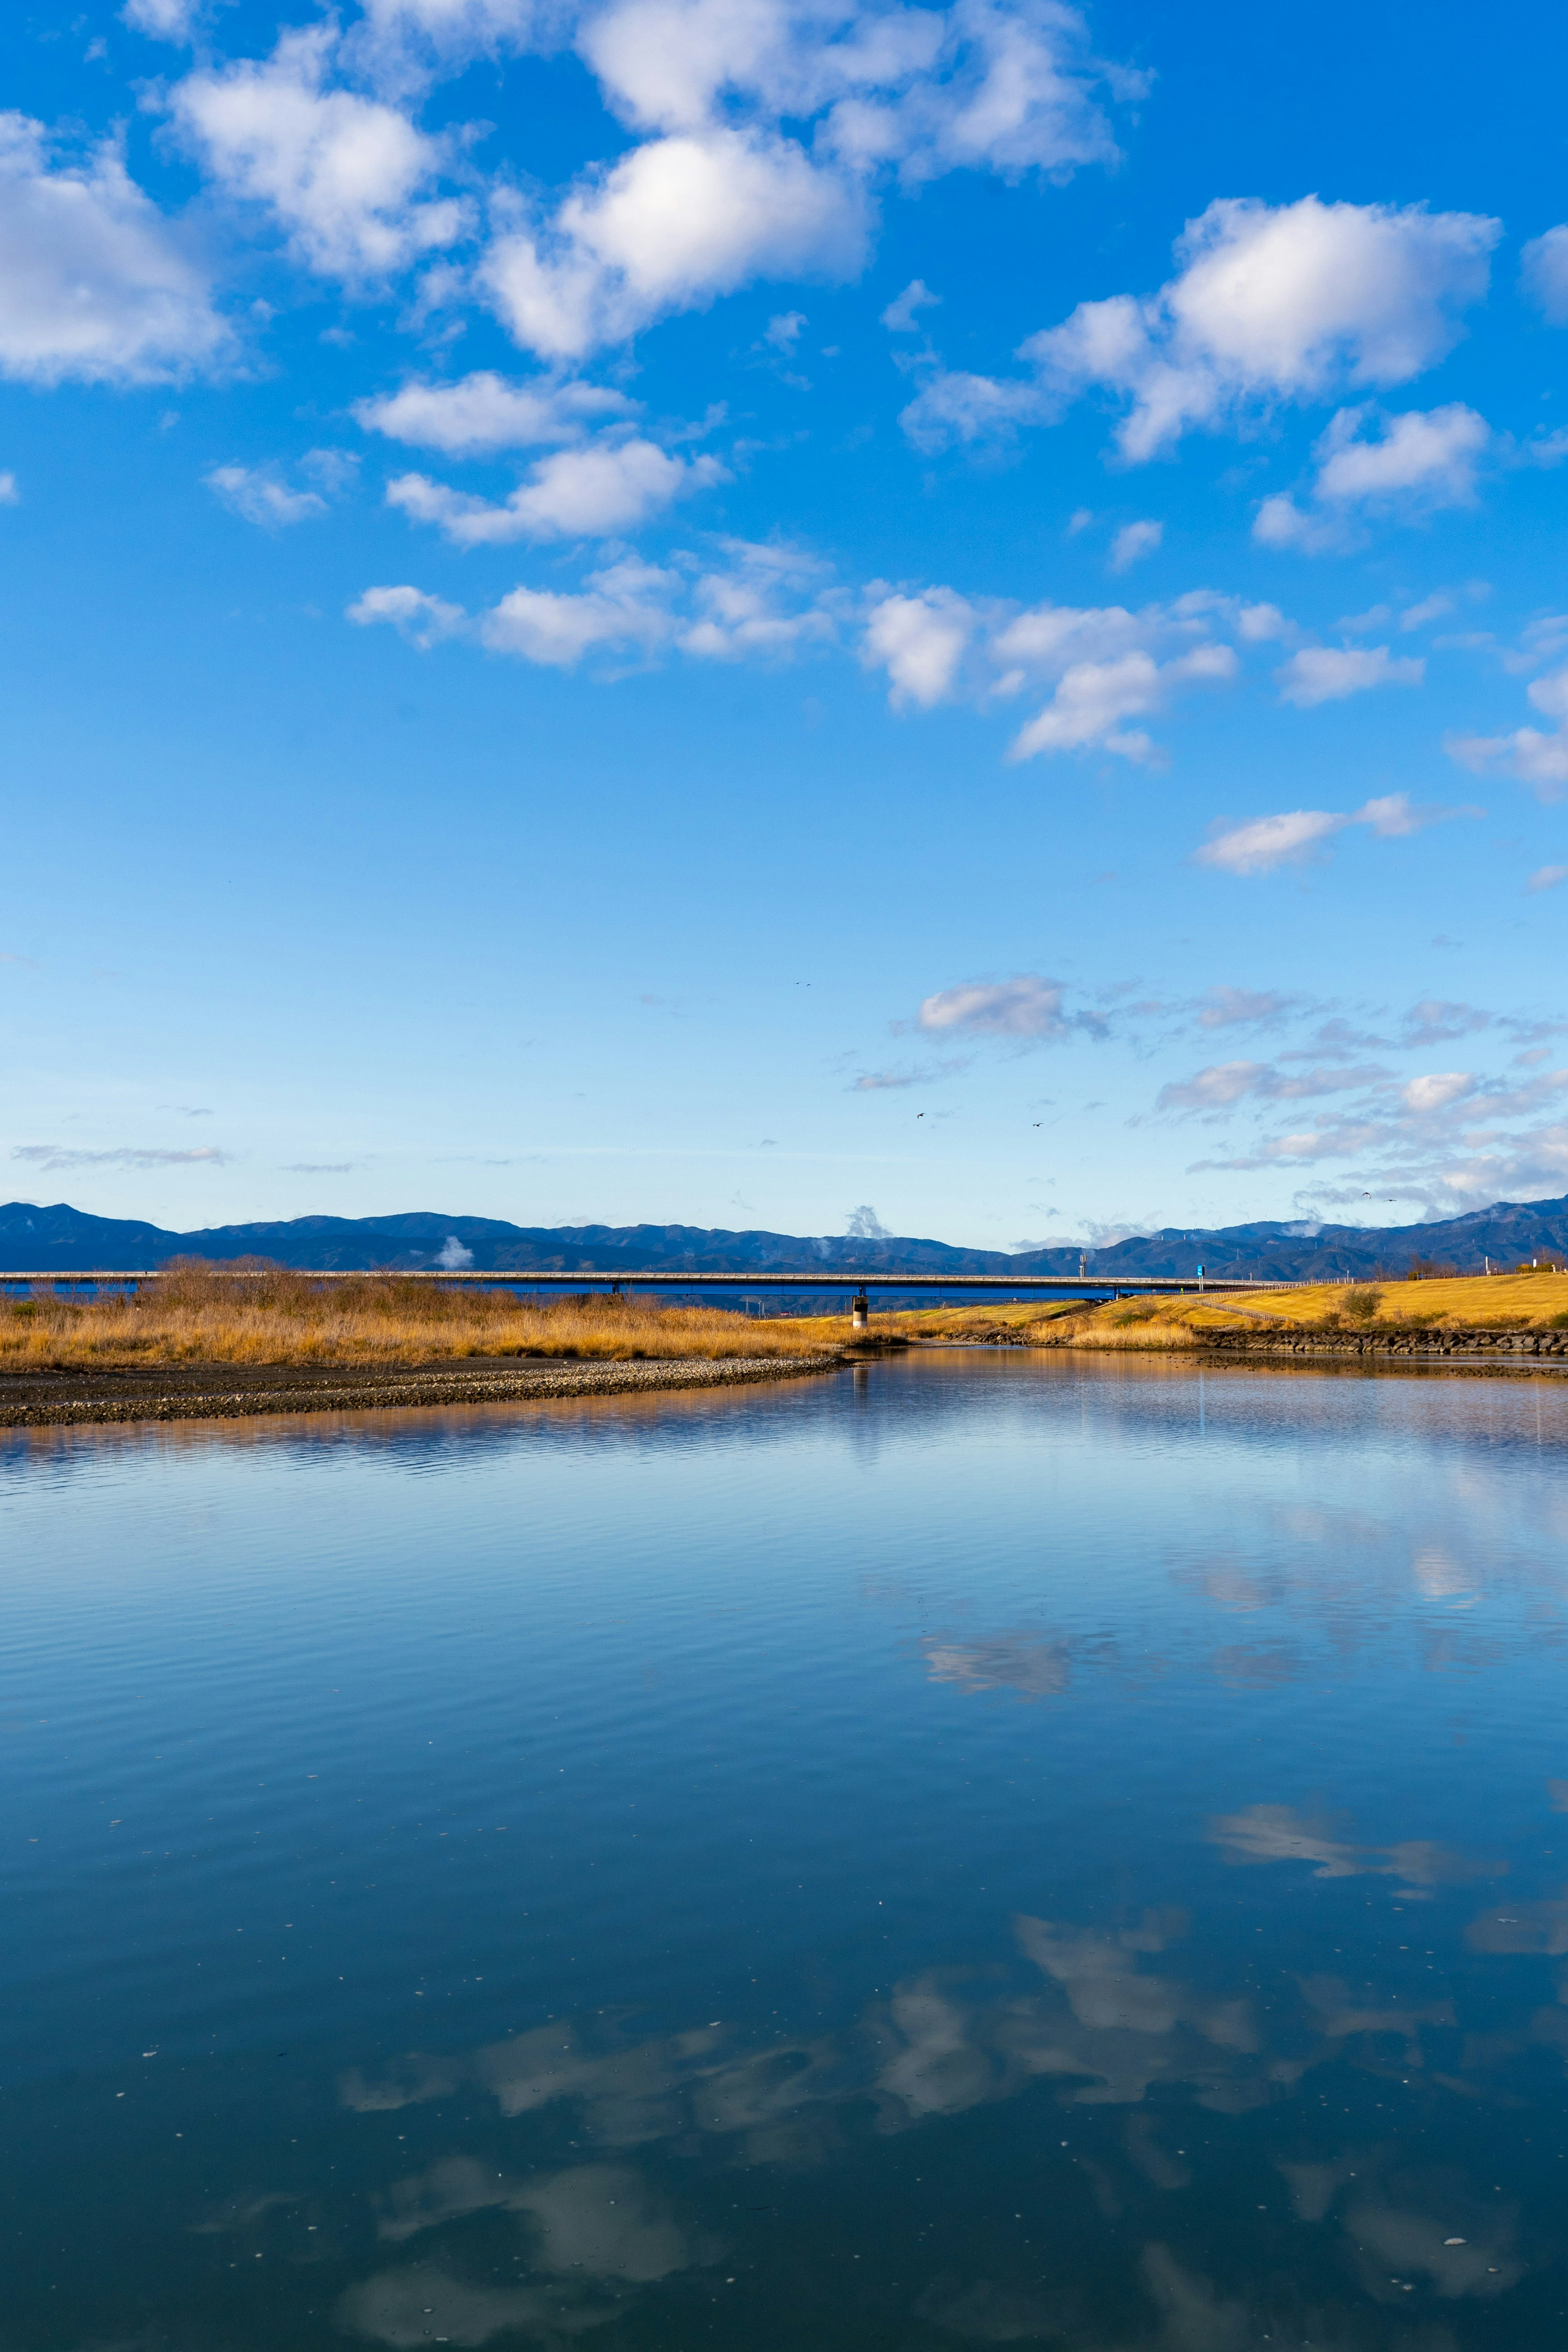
(62, 1240)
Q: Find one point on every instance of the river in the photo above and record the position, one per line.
(981, 1849)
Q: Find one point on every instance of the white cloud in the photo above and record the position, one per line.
(979, 86)
(1437, 1092)
(921, 642)
(1291, 303)
(346, 175)
(601, 491)
(259, 497)
(1026, 1007)
(1133, 541)
(1418, 464)
(1547, 877)
(1094, 700)
(1543, 275)
(66, 1155)
(902, 315)
(10, 495)
(422, 620)
(1263, 843)
(484, 412)
(162, 20)
(957, 410)
(770, 602)
(626, 608)
(674, 223)
(1538, 760)
(1329, 673)
(94, 284)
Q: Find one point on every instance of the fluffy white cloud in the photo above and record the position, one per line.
(93, 282)
(600, 491)
(1329, 673)
(1435, 1091)
(345, 177)
(921, 642)
(1546, 878)
(10, 495)
(1544, 273)
(260, 497)
(483, 412)
(1263, 843)
(1418, 464)
(162, 20)
(624, 609)
(902, 315)
(750, 602)
(955, 410)
(1270, 303)
(1094, 700)
(769, 602)
(1537, 758)
(1133, 541)
(1104, 664)
(980, 85)
(1023, 1007)
(422, 620)
(676, 223)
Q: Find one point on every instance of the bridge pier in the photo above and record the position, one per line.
(859, 1312)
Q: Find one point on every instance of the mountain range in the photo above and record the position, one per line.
(63, 1240)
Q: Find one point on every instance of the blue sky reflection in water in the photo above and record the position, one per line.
(977, 1852)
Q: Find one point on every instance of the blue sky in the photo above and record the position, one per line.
(722, 611)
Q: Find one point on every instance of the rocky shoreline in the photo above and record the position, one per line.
(1465, 1350)
(233, 1392)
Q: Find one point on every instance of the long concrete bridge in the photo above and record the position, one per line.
(860, 1281)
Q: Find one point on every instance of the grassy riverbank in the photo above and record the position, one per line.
(1513, 1302)
(198, 1315)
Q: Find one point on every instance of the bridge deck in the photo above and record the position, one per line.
(1075, 1286)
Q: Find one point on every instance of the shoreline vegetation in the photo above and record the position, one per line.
(1523, 1313)
(196, 1314)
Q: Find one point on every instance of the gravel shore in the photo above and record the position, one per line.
(235, 1391)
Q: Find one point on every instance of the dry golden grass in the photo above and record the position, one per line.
(1517, 1302)
(197, 1315)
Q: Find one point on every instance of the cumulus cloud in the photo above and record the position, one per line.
(1543, 275)
(484, 412)
(1025, 1008)
(95, 284)
(1537, 758)
(346, 177)
(669, 227)
(749, 602)
(624, 609)
(1094, 700)
(162, 20)
(1329, 673)
(902, 315)
(1133, 541)
(1228, 1008)
(1263, 843)
(601, 491)
(1547, 877)
(1223, 1085)
(1415, 464)
(1104, 664)
(921, 642)
(422, 620)
(1294, 302)
(259, 497)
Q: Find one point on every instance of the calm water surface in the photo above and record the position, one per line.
(981, 1851)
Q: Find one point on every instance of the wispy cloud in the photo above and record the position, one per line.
(1262, 843)
(64, 1155)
